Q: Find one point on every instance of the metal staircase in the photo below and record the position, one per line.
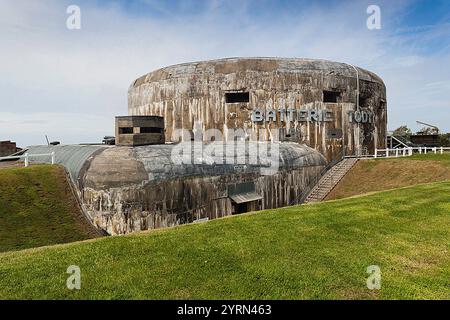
(330, 179)
(395, 141)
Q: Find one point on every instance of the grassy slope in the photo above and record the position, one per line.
(37, 208)
(314, 251)
(382, 174)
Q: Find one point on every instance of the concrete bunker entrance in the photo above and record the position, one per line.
(244, 198)
(248, 206)
(240, 208)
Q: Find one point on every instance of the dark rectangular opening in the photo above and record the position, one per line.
(151, 130)
(334, 133)
(126, 130)
(331, 96)
(237, 97)
(363, 101)
(240, 208)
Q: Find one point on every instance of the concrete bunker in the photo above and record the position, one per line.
(312, 112)
(139, 130)
(126, 189)
(224, 95)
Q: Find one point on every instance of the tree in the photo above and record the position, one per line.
(403, 131)
(445, 140)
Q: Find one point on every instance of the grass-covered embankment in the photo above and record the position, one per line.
(302, 252)
(37, 208)
(383, 174)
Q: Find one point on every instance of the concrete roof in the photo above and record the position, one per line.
(72, 157)
(159, 162)
(114, 166)
(261, 64)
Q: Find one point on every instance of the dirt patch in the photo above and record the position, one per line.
(10, 164)
(377, 175)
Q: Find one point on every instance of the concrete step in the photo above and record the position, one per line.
(330, 180)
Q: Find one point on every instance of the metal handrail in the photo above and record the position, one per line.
(26, 156)
(402, 152)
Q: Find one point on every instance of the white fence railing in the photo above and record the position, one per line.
(406, 152)
(27, 157)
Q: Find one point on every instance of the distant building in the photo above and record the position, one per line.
(7, 148)
(426, 140)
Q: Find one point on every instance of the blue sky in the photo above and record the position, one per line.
(70, 84)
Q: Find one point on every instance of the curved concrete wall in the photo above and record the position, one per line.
(192, 96)
(132, 189)
(75, 158)
(127, 189)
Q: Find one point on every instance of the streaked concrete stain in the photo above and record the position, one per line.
(193, 93)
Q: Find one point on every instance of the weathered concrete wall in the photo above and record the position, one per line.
(140, 130)
(193, 95)
(132, 189)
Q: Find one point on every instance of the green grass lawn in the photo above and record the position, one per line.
(37, 208)
(443, 158)
(316, 251)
